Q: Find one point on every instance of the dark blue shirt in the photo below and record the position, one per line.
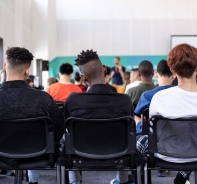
(117, 78)
(146, 97)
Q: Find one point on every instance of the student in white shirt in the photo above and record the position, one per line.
(135, 79)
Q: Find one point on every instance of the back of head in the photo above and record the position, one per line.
(77, 76)
(146, 68)
(182, 59)
(90, 66)
(107, 70)
(66, 69)
(163, 68)
(51, 80)
(18, 59)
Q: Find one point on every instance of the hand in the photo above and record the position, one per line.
(120, 67)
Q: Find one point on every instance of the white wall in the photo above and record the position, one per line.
(122, 27)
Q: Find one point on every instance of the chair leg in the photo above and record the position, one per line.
(149, 177)
(20, 176)
(67, 177)
(195, 176)
(58, 174)
(63, 181)
(16, 177)
(26, 175)
(145, 174)
(139, 180)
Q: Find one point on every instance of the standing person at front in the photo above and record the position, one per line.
(117, 73)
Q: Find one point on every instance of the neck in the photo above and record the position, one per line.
(164, 81)
(188, 84)
(98, 81)
(14, 77)
(64, 79)
(78, 83)
(146, 80)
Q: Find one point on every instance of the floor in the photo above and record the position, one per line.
(49, 177)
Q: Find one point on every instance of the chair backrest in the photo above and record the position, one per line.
(60, 105)
(100, 138)
(173, 137)
(26, 138)
(145, 118)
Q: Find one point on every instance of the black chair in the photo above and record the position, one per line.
(174, 138)
(60, 105)
(99, 144)
(145, 118)
(26, 144)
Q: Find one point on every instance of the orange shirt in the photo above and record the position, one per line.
(60, 91)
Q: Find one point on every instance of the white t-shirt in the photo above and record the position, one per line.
(133, 84)
(174, 103)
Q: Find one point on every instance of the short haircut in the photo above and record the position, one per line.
(134, 70)
(146, 68)
(183, 60)
(117, 57)
(17, 57)
(77, 76)
(51, 80)
(85, 57)
(163, 68)
(66, 69)
(90, 65)
(108, 70)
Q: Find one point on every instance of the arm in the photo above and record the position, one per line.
(121, 70)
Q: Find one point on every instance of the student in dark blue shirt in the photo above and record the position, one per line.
(165, 79)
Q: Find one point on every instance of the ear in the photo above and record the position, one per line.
(173, 72)
(4, 66)
(156, 74)
(27, 71)
(173, 76)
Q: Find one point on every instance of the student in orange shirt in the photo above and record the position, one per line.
(60, 90)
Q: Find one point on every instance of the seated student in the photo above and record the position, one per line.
(165, 79)
(146, 73)
(179, 101)
(60, 90)
(135, 79)
(99, 101)
(108, 78)
(126, 80)
(18, 100)
(79, 82)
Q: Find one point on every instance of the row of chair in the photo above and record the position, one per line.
(93, 144)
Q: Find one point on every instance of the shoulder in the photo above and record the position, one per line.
(165, 93)
(76, 88)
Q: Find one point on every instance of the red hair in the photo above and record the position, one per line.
(183, 60)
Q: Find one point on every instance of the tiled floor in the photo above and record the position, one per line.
(49, 177)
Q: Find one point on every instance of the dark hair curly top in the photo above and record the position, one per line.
(86, 56)
(17, 56)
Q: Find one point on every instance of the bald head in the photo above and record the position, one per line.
(91, 67)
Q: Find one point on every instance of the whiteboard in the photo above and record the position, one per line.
(179, 39)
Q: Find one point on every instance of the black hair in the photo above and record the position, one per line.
(107, 70)
(85, 57)
(77, 77)
(17, 56)
(163, 68)
(66, 69)
(134, 70)
(146, 68)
